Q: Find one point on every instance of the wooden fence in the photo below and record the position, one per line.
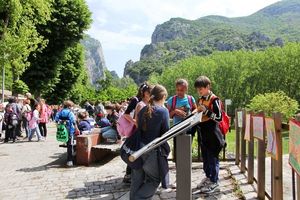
(267, 131)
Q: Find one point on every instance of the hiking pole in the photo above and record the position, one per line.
(176, 130)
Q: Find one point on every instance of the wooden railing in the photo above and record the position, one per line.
(267, 132)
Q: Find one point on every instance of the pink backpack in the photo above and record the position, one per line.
(125, 127)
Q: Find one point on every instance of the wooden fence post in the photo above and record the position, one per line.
(297, 176)
(277, 185)
(184, 167)
(237, 138)
(243, 144)
(261, 166)
(251, 153)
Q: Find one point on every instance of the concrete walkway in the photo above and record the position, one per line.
(35, 170)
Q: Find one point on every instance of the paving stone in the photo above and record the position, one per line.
(37, 170)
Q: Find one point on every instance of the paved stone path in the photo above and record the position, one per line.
(35, 170)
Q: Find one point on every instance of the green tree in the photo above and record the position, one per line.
(18, 33)
(68, 21)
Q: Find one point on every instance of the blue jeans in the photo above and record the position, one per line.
(145, 181)
(109, 133)
(33, 131)
(210, 164)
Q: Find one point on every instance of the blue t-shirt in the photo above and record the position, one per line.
(181, 103)
(156, 126)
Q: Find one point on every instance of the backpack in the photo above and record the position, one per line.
(125, 127)
(13, 119)
(62, 134)
(224, 125)
(131, 145)
(175, 99)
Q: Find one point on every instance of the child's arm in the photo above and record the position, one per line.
(216, 112)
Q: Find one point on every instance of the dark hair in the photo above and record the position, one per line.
(36, 105)
(157, 94)
(142, 89)
(202, 81)
(12, 100)
(182, 82)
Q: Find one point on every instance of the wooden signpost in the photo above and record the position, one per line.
(294, 146)
(259, 130)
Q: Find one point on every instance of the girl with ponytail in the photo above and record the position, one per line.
(153, 121)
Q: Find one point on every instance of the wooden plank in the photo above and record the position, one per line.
(243, 144)
(297, 176)
(277, 187)
(184, 167)
(237, 139)
(250, 169)
(261, 167)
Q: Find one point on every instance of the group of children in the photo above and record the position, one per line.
(28, 113)
(151, 117)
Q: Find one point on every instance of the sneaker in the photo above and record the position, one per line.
(209, 188)
(203, 183)
(41, 139)
(127, 179)
(70, 163)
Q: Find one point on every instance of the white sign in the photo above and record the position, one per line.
(228, 101)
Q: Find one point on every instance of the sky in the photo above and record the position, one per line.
(124, 27)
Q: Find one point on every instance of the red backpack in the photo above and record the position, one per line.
(224, 125)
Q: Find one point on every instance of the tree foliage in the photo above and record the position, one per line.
(241, 75)
(274, 102)
(69, 18)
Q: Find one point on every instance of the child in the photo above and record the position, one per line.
(211, 139)
(84, 125)
(66, 115)
(110, 132)
(33, 124)
(11, 122)
(153, 122)
(180, 106)
(129, 114)
(144, 102)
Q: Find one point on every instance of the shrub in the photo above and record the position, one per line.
(274, 102)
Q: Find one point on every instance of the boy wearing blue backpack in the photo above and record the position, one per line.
(211, 137)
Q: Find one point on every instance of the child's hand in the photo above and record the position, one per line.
(180, 113)
(201, 108)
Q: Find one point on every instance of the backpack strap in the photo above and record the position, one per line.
(190, 101)
(174, 99)
(211, 100)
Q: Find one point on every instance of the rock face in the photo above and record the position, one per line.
(179, 38)
(94, 59)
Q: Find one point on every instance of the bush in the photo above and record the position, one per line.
(274, 102)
